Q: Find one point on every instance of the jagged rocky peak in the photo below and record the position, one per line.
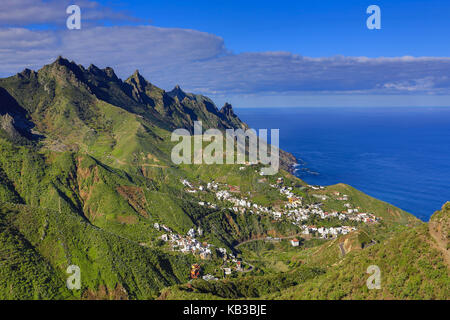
(138, 77)
(27, 73)
(61, 61)
(139, 86)
(137, 81)
(108, 72)
(71, 65)
(94, 69)
(61, 66)
(178, 93)
(227, 110)
(227, 114)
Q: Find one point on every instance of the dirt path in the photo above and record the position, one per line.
(155, 165)
(341, 246)
(265, 238)
(123, 163)
(261, 239)
(440, 244)
(251, 267)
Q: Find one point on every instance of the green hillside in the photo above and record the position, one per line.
(86, 179)
(412, 266)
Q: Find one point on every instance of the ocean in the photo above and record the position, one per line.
(398, 155)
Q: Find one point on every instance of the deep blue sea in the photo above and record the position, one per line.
(399, 155)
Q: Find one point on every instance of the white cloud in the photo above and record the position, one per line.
(285, 72)
(16, 13)
(200, 62)
(125, 48)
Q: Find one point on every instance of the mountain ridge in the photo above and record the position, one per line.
(64, 78)
(86, 178)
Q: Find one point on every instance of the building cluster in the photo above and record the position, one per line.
(190, 244)
(207, 204)
(186, 244)
(330, 232)
(293, 210)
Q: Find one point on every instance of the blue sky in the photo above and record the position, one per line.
(310, 28)
(250, 53)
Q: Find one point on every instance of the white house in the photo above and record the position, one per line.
(191, 233)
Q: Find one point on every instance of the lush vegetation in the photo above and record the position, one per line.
(85, 173)
(410, 269)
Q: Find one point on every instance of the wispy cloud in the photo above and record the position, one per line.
(126, 48)
(19, 13)
(286, 72)
(200, 61)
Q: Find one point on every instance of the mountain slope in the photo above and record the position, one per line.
(86, 173)
(55, 240)
(411, 263)
(439, 229)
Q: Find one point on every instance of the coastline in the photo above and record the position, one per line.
(397, 155)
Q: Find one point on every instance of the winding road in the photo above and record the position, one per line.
(265, 239)
(260, 239)
(341, 246)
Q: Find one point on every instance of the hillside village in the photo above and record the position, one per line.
(185, 244)
(86, 181)
(294, 210)
(190, 244)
